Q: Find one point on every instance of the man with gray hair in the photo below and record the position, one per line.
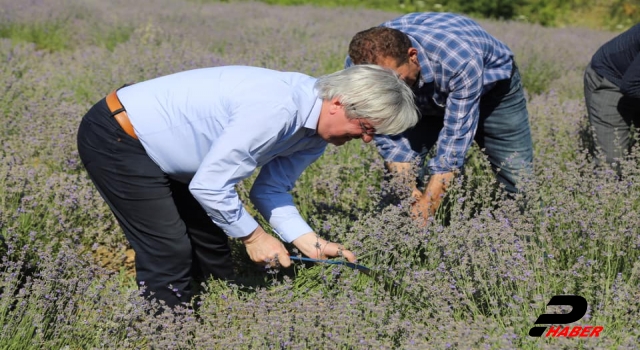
(166, 154)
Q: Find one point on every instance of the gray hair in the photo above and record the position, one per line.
(372, 92)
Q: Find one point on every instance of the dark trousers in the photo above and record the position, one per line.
(174, 240)
(503, 132)
(612, 116)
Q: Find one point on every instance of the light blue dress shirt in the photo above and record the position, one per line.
(212, 127)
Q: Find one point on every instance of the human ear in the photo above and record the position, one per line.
(413, 55)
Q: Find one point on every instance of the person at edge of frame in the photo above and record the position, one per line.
(166, 154)
(467, 87)
(612, 96)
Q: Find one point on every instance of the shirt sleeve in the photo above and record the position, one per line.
(630, 84)
(461, 116)
(395, 148)
(232, 158)
(270, 192)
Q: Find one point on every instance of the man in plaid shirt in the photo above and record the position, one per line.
(466, 86)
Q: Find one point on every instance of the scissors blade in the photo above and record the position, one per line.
(332, 262)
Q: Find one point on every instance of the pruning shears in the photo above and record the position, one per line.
(354, 266)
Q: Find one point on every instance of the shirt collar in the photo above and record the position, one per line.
(314, 115)
(309, 104)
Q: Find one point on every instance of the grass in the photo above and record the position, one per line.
(477, 277)
(50, 36)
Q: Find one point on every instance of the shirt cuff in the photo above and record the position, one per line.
(444, 166)
(241, 228)
(292, 228)
(401, 158)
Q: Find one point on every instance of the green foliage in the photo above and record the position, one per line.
(543, 12)
(623, 13)
(114, 36)
(538, 74)
(358, 178)
(56, 34)
(50, 36)
(612, 14)
(497, 9)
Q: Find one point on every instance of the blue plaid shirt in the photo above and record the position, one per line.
(459, 62)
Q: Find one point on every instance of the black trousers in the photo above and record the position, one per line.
(174, 240)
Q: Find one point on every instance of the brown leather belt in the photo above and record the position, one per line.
(118, 112)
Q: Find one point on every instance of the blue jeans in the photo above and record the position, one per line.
(503, 132)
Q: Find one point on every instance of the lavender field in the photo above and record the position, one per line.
(477, 278)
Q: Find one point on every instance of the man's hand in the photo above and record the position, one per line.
(263, 248)
(416, 194)
(400, 168)
(406, 171)
(315, 247)
(429, 202)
